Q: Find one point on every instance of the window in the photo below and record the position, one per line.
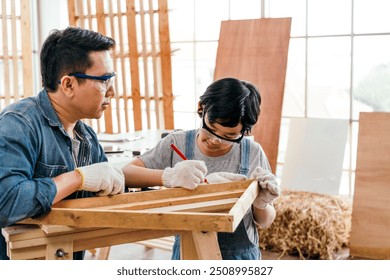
(338, 64)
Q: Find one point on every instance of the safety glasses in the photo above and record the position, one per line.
(215, 137)
(100, 83)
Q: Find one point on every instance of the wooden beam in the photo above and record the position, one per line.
(134, 70)
(166, 67)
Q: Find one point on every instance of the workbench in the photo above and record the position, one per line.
(87, 223)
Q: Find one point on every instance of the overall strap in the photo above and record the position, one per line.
(245, 153)
(190, 143)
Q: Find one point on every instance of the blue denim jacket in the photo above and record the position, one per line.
(34, 147)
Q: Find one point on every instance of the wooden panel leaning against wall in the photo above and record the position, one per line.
(256, 50)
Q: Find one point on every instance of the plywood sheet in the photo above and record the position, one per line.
(370, 234)
(256, 50)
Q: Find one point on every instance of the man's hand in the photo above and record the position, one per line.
(102, 178)
(269, 189)
(223, 177)
(187, 174)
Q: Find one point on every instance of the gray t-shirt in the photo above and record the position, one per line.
(163, 156)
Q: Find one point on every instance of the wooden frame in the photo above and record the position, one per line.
(197, 215)
(214, 207)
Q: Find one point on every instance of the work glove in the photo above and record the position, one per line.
(269, 189)
(102, 178)
(223, 177)
(187, 174)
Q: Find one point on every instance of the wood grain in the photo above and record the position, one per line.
(370, 234)
(256, 50)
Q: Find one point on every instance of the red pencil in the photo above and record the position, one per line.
(182, 155)
(178, 152)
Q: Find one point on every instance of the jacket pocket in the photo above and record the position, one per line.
(43, 170)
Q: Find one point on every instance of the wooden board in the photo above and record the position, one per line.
(370, 234)
(256, 50)
(213, 207)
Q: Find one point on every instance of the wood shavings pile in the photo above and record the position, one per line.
(314, 226)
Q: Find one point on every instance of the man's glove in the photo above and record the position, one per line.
(269, 189)
(187, 174)
(223, 177)
(102, 178)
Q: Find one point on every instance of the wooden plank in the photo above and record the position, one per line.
(172, 202)
(15, 57)
(51, 229)
(244, 203)
(156, 80)
(104, 253)
(371, 201)
(166, 67)
(6, 58)
(145, 64)
(134, 70)
(206, 244)
(38, 237)
(72, 13)
(123, 94)
(187, 247)
(256, 50)
(219, 205)
(138, 197)
(136, 219)
(28, 253)
(25, 25)
(21, 232)
(101, 23)
(80, 14)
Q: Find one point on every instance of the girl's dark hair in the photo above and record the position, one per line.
(67, 51)
(230, 101)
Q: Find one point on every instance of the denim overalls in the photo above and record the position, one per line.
(237, 245)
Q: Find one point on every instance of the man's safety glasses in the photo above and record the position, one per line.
(101, 83)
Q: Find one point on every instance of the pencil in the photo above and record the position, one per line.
(176, 149)
(178, 152)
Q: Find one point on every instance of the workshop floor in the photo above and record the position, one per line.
(134, 251)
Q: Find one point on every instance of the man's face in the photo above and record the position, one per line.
(93, 96)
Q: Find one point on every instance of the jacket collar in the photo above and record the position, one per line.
(50, 114)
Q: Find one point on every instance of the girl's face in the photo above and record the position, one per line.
(216, 140)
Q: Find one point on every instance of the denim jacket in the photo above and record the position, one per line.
(34, 147)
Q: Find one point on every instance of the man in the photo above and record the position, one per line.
(46, 153)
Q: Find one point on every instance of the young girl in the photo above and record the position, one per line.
(228, 109)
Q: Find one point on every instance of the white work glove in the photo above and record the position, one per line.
(269, 189)
(187, 174)
(223, 177)
(102, 178)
